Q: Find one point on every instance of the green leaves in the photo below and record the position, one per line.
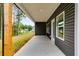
(18, 26)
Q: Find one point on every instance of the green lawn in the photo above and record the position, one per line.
(19, 41)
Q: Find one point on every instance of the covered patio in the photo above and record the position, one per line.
(40, 46)
(54, 29)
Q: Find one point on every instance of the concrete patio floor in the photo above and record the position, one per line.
(39, 46)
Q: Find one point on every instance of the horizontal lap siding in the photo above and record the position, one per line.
(67, 46)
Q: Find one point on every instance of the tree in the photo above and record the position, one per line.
(18, 27)
(22, 26)
(19, 17)
(26, 26)
(29, 27)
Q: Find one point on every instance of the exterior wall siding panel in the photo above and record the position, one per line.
(67, 46)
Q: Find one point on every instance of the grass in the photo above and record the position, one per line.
(19, 41)
(0, 47)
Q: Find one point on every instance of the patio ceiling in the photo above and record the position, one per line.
(38, 12)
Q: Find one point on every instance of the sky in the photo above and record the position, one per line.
(27, 21)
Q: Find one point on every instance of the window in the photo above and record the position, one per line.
(60, 25)
(48, 28)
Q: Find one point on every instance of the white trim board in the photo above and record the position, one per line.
(76, 41)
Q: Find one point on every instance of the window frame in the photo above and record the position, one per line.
(63, 26)
(48, 28)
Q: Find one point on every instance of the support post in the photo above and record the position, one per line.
(7, 29)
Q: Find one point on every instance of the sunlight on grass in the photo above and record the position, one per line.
(20, 40)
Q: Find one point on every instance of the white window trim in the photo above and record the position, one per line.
(47, 29)
(76, 38)
(63, 27)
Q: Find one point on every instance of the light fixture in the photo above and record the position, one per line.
(41, 10)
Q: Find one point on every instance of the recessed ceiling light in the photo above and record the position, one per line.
(41, 10)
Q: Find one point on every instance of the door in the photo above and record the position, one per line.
(53, 31)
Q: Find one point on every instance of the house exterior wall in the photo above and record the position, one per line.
(66, 46)
(40, 28)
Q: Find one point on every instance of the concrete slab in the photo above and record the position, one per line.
(39, 46)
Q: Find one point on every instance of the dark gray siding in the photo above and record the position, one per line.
(67, 46)
(40, 28)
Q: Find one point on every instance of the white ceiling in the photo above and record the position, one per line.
(39, 12)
